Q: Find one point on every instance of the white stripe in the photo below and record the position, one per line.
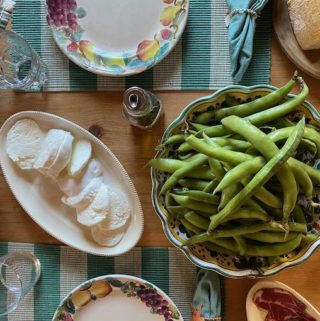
(220, 62)
(73, 269)
(167, 74)
(129, 264)
(180, 290)
(110, 83)
(56, 61)
(25, 310)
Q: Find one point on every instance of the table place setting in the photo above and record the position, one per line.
(234, 175)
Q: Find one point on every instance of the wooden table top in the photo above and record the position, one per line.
(134, 147)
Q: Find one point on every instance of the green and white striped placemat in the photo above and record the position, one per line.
(200, 60)
(64, 268)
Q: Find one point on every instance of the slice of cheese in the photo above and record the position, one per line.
(81, 154)
(111, 230)
(24, 141)
(107, 237)
(55, 152)
(74, 185)
(304, 16)
(86, 196)
(98, 210)
(63, 157)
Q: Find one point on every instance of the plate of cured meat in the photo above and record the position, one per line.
(273, 300)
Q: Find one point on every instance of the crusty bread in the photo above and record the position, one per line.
(305, 20)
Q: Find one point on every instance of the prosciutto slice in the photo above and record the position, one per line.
(281, 305)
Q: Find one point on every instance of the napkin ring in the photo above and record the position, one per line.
(234, 12)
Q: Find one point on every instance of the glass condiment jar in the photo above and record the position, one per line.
(141, 108)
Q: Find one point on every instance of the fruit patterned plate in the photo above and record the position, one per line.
(117, 297)
(117, 38)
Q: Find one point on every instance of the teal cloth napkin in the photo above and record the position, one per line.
(241, 23)
(207, 297)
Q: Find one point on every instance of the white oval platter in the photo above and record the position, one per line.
(255, 314)
(41, 199)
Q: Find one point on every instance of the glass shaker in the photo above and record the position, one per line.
(141, 108)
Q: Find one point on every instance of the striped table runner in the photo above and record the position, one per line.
(200, 61)
(64, 268)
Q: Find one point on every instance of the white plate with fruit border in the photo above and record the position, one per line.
(117, 38)
(41, 199)
(117, 297)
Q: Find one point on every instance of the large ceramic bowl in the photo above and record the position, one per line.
(230, 266)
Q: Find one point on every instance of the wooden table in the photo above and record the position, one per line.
(134, 147)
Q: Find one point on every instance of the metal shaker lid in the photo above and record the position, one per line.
(135, 99)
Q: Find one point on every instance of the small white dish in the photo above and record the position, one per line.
(41, 198)
(117, 297)
(256, 314)
(117, 38)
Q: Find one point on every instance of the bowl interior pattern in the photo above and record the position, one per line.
(227, 265)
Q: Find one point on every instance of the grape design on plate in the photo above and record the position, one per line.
(63, 13)
(149, 296)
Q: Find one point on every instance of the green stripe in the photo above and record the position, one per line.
(98, 266)
(144, 80)
(155, 267)
(81, 79)
(3, 249)
(47, 290)
(196, 46)
(3, 293)
(27, 22)
(259, 69)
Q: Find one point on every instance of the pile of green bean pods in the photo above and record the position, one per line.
(234, 177)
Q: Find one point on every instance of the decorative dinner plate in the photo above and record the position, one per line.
(41, 198)
(307, 60)
(117, 38)
(117, 298)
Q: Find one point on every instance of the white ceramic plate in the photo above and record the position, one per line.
(256, 314)
(40, 198)
(117, 297)
(117, 37)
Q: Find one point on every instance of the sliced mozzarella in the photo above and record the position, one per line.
(86, 196)
(24, 140)
(111, 230)
(98, 210)
(107, 237)
(74, 185)
(81, 154)
(63, 157)
(55, 152)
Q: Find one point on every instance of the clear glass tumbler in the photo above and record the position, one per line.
(19, 272)
(21, 68)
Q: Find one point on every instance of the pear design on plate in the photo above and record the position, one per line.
(168, 14)
(100, 289)
(81, 298)
(148, 49)
(87, 49)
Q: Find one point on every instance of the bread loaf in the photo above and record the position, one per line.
(305, 20)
